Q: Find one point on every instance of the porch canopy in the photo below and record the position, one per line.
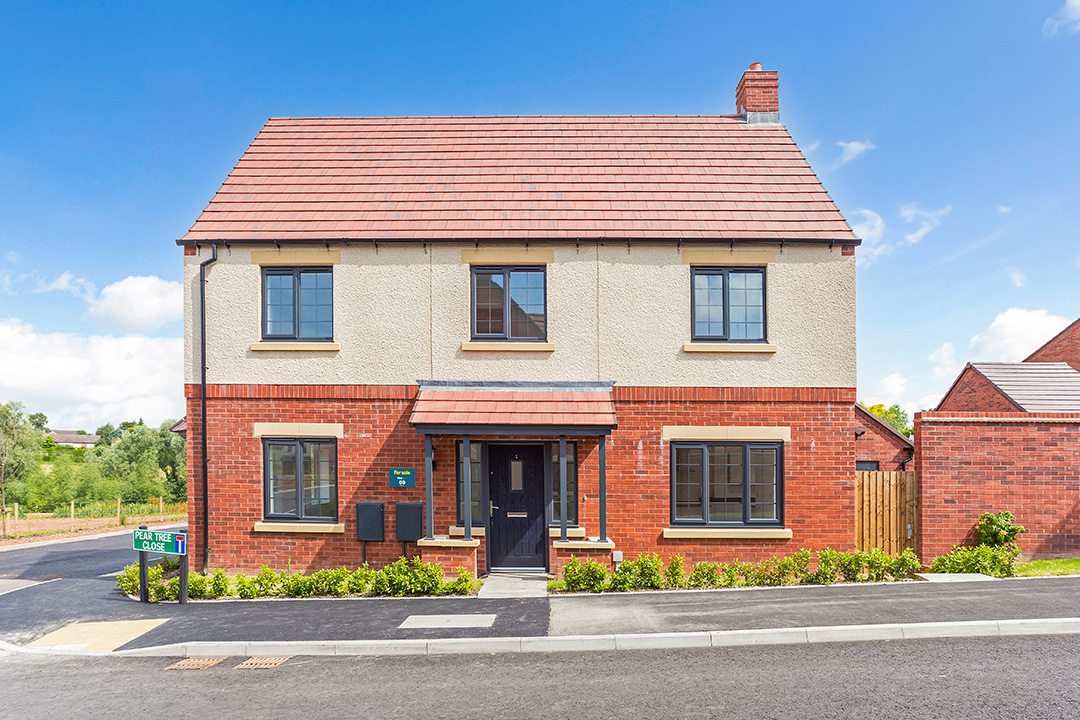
(523, 409)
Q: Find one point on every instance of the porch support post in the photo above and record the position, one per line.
(466, 512)
(429, 489)
(562, 488)
(603, 488)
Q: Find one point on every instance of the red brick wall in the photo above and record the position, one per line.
(877, 443)
(974, 393)
(758, 91)
(819, 504)
(971, 463)
(1065, 347)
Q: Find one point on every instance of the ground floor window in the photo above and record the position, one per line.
(571, 485)
(300, 480)
(727, 483)
(867, 465)
(475, 458)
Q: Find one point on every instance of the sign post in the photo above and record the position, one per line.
(168, 543)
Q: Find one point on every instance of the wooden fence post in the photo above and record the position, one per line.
(15, 531)
(72, 515)
(161, 506)
(117, 511)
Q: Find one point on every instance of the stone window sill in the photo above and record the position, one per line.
(706, 533)
(720, 347)
(473, 346)
(264, 346)
(584, 545)
(289, 527)
(448, 542)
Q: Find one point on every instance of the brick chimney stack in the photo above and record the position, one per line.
(757, 97)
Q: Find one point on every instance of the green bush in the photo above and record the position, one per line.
(852, 565)
(267, 582)
(128, 581)
(360, 580)
(675, 572)
(997, 529)
(998, 561)
(463, 584)
(905, 565)
(588, 576)
(218, 585)
(828, 567)
(197, 586)
(704, 575)
(296, 585)
(246, 587)
(878, 564)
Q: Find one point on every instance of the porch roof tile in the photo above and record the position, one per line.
(493, 408)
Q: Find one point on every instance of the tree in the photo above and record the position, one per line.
(39, 421)
(894, 416)
(19, 443)
(107, 435)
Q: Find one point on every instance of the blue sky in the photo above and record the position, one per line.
(946, 132)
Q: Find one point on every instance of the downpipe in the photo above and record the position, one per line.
(202, 406)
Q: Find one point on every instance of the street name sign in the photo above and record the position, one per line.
(170, 543)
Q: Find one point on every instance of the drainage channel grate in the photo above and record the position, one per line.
(195, 663)
(262, 663)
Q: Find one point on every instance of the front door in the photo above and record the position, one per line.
(516, 489)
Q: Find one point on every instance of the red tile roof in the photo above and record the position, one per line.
(453, 178)
(477, 407)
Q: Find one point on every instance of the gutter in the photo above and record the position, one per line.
(202, 406)
(613, 240)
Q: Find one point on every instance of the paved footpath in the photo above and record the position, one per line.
(79, 593)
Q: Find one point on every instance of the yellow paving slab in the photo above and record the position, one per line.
(96, 636)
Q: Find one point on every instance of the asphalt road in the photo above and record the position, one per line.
(1033, 677)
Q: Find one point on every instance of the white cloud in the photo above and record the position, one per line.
(83, 382)
(927, 219)
(1015, 334)
(946, 364)
(1067, 17)
(811, 147)
(872, 232)
(892, 387)
(11, 256)
(67, 282)
(138, 303)
(1016, 277)
(1004, 208)
(853, 150)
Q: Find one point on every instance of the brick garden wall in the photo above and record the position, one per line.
(970, 463)
(819, 461)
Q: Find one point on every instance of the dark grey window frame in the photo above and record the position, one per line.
(875, 463)
(746, 521)
(298, 516)
(295, 272)
(505, 270)
(551, 488)
(480, 520)
(696, 270)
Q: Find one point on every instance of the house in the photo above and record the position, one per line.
(72, 438)
(1006, 436)
(1063, 347)
(179, 427)
(499, 342)
(878, 445)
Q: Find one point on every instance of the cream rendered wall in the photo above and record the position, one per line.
(401, 314)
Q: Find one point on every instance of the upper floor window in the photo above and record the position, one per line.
(298, 303)
(727, 304)
(509, 303)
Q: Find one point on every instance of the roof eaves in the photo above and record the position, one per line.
(781, 241)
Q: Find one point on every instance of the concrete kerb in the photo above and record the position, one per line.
(638, 641)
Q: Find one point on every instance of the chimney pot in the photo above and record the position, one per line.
(755, 66)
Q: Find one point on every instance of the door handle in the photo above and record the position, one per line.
(492, 507)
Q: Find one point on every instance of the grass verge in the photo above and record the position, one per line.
(1043, 568)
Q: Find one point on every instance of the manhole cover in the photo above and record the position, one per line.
(195, 663)
(262, 663)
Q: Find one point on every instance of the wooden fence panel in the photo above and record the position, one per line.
(886, 511)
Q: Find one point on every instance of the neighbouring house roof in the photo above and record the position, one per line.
(1063, 347)
(884, 426)
(501, 408)
(179, 427)
(71, 437)
(1035, 387)
(554, 177)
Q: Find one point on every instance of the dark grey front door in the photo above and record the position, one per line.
(516, 490)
